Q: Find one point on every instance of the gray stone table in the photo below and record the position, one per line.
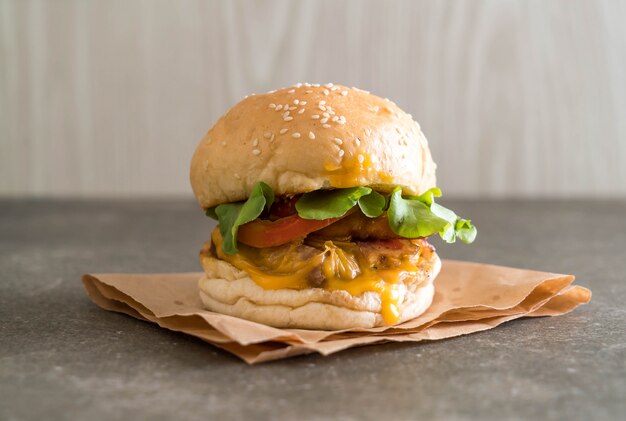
(61, 357)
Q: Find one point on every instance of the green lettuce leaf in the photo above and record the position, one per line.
(325, 204)
(411, 217)
(420, 216)
(210, 212)
(465, 231)
(428, 196)
(373, 205)
(232, 215)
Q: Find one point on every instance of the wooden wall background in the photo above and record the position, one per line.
(110, 97)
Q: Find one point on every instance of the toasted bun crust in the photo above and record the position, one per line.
(361, 140)
(228, 290)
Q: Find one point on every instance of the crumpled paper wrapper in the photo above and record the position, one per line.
(469, 297)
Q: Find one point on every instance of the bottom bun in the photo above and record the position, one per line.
(228, 290)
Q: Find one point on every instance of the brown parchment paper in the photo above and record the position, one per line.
(469, 297)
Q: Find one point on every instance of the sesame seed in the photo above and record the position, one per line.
(272, 91)
(267, 135)
(326, 91)
(297, 85)
(272, 105)
(342, 122)
(295, 101)
(283, 131)
(301, 110)
(302, 102)
(272, 138)
(326, 126)
(361, 158)
(334, 88)
(307, 84)
(291, 91)
(338, 141)
(293, 107)
(315, 116)
(316, 85)
(288, 118)
(358, 141)
(329, 85)
(322, 102)
(308, 91)
(311, 135)
(341, 152)
(326, 114)
(344, 93)
(279, 107)
(296, 135)
(324, 120)
(321, 107)
(256, 152)
(368, 131)
(286, 114)
(286, 106)
(255, 142)
(335, 118)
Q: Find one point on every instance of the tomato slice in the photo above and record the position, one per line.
(260, 233)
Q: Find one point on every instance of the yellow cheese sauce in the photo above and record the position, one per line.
(353, 171)
(344, 268)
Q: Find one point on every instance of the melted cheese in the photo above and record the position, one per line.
(354, 171)
(344, 269)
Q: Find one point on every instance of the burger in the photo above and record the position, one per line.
(325, 202)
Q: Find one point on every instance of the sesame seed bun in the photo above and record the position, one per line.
(309, 137)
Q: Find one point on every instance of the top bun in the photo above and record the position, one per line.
(309, 137)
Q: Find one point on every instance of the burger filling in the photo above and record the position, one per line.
(353, 239)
